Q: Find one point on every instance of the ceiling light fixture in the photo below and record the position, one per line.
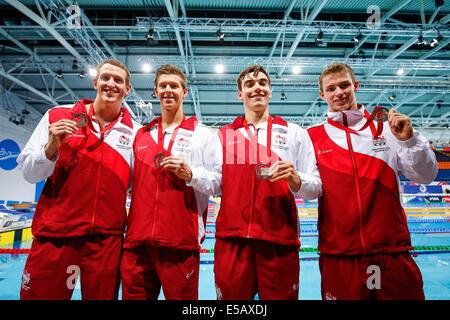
(220, 68)
(146, 67)
(319, 38)
(296, 70)
(150, 35)
(92, 72)
(435, 41)
(421, 41)
(220, 35)
(357, 38)
(75, 64)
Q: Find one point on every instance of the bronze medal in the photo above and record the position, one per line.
(158, 159)
(380, 114)
(262, 171)
(81, 119)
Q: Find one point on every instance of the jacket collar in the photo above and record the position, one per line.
(239, 122)
(188, 124)
(353, 116)
(80, 107)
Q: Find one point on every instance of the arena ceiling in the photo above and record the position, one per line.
(401, 56)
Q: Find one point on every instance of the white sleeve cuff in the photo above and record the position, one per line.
(42, 158)
(414, 140)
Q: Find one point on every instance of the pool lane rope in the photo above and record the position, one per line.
(418, 248)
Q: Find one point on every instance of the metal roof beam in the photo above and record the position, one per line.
(97, 34)
(434, 99)
(409, 99)
(434, 15)
(441, 45)
(292, 27)
(311, 17)
(437, 120)
(51, 29)
(80, 34)
(390, 13)
(445, 19)
(33, 110)
(28, 87)
(36, 57)
(177, 33)
(395, 54)
(194, 91)
(285, 16)
(142, 108)
(188, 37)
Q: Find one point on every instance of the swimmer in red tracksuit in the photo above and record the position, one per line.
(364, 240)
(257, 229)
(169, 198)
(80, 216)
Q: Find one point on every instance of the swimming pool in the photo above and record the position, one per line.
(430, 235)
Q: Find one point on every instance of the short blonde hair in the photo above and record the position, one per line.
(171, 69)
(116, 63)
(336, 67)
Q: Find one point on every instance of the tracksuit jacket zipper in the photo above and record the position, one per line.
(358, 189)
(158, 178)
(156, 206)
(97, 187)
(252, 194)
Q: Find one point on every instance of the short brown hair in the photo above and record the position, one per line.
(171, 69)
(336, 67)
(252, 69)
(116, 63)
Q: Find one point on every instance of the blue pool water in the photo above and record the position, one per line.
(428, 231)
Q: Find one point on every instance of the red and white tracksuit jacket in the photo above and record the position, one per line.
(360, 211)
(165, 210)
(259, 209)
(86, 187)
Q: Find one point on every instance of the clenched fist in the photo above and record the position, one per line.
(58, 133)
(400, 125)
(178, 166)
(284, 170)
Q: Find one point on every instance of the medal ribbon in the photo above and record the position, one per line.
(108, 126)
(172, 138)
(369, 122)
(254, 140)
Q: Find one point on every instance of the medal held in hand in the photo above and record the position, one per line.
(81, 119)
(158, 159)
(262, 171)
(380, 114)
(162, 154)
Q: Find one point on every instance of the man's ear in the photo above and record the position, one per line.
(240, 95)
(128, 89)
(322, 95)
(356, 85)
